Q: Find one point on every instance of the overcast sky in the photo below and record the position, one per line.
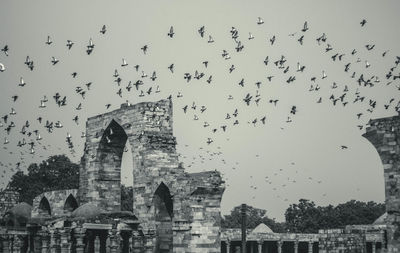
(267, 165)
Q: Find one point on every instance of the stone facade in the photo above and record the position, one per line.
(55, 203)
(384, 134)
(8, 199)
(182, 209)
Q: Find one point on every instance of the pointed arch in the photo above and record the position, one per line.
(109, 154)
(44, 207)
(112, 141)
(70, 204)
(163, 213)
(163, 200)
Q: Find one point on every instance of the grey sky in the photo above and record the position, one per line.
(284, 161)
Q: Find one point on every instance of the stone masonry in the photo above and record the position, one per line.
(8, 199)
(384, 134)
(59, 203)
(181, 209)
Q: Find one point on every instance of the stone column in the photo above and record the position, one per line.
(137, 242)
(228, 246)
(79, 234)
(96, 244)
(310, 247)
(260, 244)
(114, 244)
(64, 241)
(107, 243)
(374, 247)
(296, 246)
(37, 243)
(17, 245)
(54, 245)
(5, 243)
(44, 242)
(149, 244)
(279, 243)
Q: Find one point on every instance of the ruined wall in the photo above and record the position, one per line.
(166, 198)
(336, 241)
(204, 193)
(8, 199)
(57, 202)
(148, 128)
(385, 136)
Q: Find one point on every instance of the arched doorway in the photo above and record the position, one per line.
(163, 213)
(44, 207)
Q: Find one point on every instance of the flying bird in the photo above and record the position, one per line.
(5, 50)
(305, 27)
(69, 44)
(171, 32)
(103, 29)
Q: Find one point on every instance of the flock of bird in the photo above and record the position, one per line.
(22, 136)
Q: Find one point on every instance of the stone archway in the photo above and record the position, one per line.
(163, 213)
(109, 153)
(70, 204)
(44, 207)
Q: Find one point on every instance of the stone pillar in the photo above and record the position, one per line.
(279, 243)
(149, 244)
(79, 234)
(5, 243)
(64, 241)
(130, 239)
(108, 243)
(137, 242)
(44, 236)
(260, 244)
(54, 243)
(374, 247)
(17, 245)
(310, 247)
(114, 244)
(37, 243)
(296, 246)
(96, 244)
(228, 246)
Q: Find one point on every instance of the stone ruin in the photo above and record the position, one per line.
(173, 211)
(384, 134)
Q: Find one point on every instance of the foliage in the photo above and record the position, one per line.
(255, 216)
(55, 173)
(306, 217)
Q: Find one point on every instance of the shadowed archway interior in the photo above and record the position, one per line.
(163, 212)
(70, 204)
(44, 207)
